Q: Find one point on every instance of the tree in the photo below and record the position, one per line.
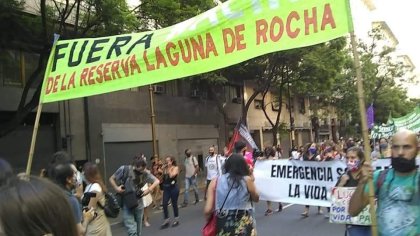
(380, 72)
(34, 33)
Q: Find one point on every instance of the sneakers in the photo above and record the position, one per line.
(305, 214)
(196, 201)
(175, 224)
(165, 224)
(327, 216)
(268, 212)
(146, 224)
(183, 205)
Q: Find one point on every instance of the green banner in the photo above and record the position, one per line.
(230, 33)
(410, 121)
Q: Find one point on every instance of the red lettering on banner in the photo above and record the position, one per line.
(310, 21)
(71, 82)
(100, 77)
(262, 27)
(83, 77)
(160, 59)
(210, 46)
(55, 85)
(295, 33)
(124, 66)
(114, 70)
(107, 77)
(134, 65)
(90, 78)
(273, 35)
(63, 86)
(186, 56)
(50, 82)
(239, 32)
(148, 66)
(328, 17)
(229, 45)
(197, 47)
(172, 57)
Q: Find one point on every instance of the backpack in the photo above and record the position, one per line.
(111, 207)
(380, 181)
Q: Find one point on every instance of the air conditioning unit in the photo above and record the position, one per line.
(158, 89)
(195, 93)
(237, 100)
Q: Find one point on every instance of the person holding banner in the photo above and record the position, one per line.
(354, 160)
(270, 154)
(397, 189)
(311, 154)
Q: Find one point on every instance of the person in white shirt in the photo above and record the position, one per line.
(214, 163)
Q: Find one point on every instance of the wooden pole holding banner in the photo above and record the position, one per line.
(153, 121)
(34, 134)
(362, 110)
(38, 112)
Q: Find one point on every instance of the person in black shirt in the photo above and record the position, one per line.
(355, 159)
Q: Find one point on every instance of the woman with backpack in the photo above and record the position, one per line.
(94, 197)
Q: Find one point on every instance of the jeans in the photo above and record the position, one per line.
(170, 192)
(133, 220)
(190, 182)
(358, 230)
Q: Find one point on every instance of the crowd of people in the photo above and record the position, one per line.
(64, 201)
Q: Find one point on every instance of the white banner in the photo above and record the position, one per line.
(299, 182)
(302, 182)
(339, 213)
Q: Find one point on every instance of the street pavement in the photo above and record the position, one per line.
(286, 223)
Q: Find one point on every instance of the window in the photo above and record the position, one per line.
(258, 104)
(10, 68)
(16, 67)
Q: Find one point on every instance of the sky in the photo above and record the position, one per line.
(402, 17)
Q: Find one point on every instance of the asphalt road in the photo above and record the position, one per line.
(289, 222)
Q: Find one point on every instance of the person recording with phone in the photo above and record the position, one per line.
(132, 182)
(94, 196)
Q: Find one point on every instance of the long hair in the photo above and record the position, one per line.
(237, 168)
(173, 160)
(93, 175)
(35, 206)
(359, 153)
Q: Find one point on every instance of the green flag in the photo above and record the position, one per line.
(230, 33)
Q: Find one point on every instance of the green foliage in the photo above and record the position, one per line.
(163, 13)
(379, 71)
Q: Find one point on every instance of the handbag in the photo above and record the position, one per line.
(147, 199)
(210, 228)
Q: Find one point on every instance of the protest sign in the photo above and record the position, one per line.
(339, 208)
(233, 32)
(302, 182)
(299, 182)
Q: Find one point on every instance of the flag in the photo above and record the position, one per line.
(370, 116)
(241, 132)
